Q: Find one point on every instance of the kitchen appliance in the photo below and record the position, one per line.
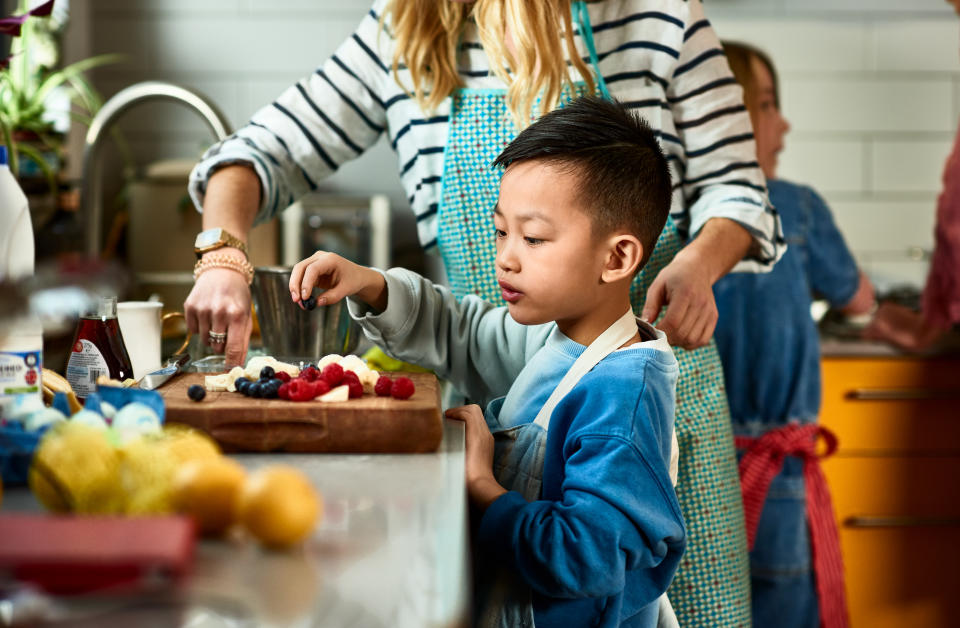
(294, 335)
(355, 227)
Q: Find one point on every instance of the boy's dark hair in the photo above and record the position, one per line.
(624, 177)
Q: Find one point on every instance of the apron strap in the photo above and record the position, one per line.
(606, 343)
(582, 16)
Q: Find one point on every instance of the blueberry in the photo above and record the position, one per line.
(255, 389)
(197, 392)
(266, 373)
(271, 389)
(241, 384)
(310, 303)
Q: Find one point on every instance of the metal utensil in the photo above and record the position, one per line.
(176, 364)
(291, 334)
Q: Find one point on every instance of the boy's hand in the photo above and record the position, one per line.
(482, 486)
(338, 278)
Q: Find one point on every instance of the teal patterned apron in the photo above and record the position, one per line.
(712, 585)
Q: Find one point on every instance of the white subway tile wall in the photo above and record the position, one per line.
(872, 91)
(871, 88)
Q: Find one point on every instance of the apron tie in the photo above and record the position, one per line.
(762, 461)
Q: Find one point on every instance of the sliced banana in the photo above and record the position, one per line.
(340, 393)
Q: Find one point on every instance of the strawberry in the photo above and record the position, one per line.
(402, 388)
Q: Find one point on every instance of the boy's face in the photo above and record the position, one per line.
(548, 262)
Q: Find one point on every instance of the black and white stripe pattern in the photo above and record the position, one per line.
(660, 57)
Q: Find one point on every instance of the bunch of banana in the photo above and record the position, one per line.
(53, 383)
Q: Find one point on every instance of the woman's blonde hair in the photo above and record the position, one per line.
(427, 33)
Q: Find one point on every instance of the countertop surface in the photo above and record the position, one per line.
(391, 551)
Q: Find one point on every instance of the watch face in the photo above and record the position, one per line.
(208, 238)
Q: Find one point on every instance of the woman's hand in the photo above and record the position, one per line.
(338, 278)
(220, 302)
(685, 285)
(482, 486)
(686, 289)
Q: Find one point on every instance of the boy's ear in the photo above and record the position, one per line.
(624, 253)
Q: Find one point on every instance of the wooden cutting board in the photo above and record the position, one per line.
(369, 424)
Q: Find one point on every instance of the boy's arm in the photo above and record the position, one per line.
(617, 510)
(831, 267)
(475, 345)
(339, 278)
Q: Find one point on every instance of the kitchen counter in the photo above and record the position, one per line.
(391, 550)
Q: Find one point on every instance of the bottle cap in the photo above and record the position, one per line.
(3, 155)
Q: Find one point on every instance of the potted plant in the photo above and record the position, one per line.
(30, 82)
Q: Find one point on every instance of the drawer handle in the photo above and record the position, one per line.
(867, 521)
(900, 394)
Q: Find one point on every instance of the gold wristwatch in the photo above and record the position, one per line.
(213, 239)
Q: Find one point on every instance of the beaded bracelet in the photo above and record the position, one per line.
(222, 260)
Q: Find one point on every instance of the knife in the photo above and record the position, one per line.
(174, 365)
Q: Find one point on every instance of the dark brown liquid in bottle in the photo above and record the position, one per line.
(105, 334)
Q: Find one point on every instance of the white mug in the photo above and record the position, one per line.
(141, 324)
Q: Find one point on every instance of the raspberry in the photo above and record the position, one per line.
(350, 376)
(319, 387)
(383, 385)
(332, 374)
(311, 373)
(402, 388)
(300, 391)
(283, 376)
(284, 391)
(356, 388)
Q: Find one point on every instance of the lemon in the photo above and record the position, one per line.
(279, 506)
(74, 468)
(208, 490)
(186, 443)
(145, 477)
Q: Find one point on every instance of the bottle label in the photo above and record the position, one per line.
(86, 364)
(20, 372)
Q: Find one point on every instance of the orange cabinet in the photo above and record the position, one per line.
(895, 481)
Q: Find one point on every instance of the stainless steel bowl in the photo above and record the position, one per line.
(291, 334)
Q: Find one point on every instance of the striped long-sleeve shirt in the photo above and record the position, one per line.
(659, 57)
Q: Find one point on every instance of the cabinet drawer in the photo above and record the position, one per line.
(893, 405)
(902, 577)
(911, 492)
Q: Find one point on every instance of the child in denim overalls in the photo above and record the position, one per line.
(770, 351)
(570, 472)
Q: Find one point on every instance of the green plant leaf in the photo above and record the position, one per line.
(37, 156)
(72, 71)
(8, 142)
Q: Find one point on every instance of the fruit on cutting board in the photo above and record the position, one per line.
(279, 506)
(208, 490)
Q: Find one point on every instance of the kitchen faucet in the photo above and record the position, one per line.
(91, 202)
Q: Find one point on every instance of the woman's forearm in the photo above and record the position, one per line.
(232, 200)
(718, 247)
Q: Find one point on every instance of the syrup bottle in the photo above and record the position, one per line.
(98, 349)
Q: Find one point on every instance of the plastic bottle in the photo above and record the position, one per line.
(21, 339)
(98, 349)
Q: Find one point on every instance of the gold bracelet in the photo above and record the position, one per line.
(224, 260)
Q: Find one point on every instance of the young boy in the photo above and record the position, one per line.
(569, 465)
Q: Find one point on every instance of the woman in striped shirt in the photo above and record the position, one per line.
(451, 83)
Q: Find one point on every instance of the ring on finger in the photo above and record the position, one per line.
(217, 337)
